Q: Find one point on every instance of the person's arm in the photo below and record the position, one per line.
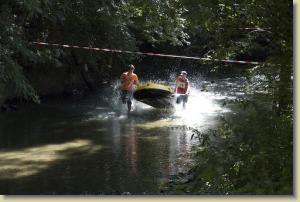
(188, 88)
(137, 82)
(176, 85)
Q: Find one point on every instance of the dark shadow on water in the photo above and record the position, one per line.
(59, 151)
(85, 147)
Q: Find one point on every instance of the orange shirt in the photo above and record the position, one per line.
(128, 79)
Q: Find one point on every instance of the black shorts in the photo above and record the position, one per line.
(126, 96)
(182, 98)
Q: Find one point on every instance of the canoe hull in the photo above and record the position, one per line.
(155, 95)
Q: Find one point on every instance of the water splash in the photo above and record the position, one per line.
(200, 105)
(204, 104)
(199, 108)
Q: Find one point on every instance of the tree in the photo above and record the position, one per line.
(242, 29)
(110, 24)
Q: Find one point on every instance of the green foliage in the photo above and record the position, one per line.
(250, 153)
(158, 21)
(269, 39)
(110, 24)
(12, 49)
(228, 157)
(203, 28)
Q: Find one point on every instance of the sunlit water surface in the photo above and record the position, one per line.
(90, 145)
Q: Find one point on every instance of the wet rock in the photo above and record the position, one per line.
(183, 181)
(76, 92)
(181, 174)
(13, 107)
(114, 192)
(191, 177)
(4, 108)
(8, 108)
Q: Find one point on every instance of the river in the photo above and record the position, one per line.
(89, 145)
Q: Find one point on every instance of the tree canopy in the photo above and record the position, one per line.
(250, 30)
(246, 30)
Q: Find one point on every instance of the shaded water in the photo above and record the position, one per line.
(89, 145)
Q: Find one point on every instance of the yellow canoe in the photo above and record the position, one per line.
(155, 95)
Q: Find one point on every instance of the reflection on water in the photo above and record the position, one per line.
(91, 146)
(29, 161)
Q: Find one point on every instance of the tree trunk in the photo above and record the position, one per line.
(86, 77)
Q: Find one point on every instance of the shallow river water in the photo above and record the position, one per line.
(89, 145)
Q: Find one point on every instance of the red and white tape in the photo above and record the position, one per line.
(142, 53)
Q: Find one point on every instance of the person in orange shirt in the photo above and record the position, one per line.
(182, 88)
(128, 81)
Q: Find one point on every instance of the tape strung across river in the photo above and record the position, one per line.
(141, 53)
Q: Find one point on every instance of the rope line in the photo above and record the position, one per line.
(142, 53)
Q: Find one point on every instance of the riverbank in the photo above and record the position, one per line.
(50, 82)
(251, 152)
